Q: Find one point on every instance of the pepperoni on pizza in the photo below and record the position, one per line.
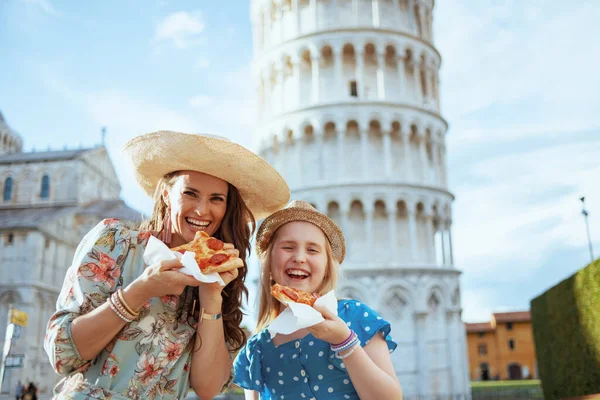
(209, 254)
(285, 294)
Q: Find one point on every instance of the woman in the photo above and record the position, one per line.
(123, 329)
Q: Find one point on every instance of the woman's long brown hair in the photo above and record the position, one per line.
(237, 227)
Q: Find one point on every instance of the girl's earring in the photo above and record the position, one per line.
(166, 235)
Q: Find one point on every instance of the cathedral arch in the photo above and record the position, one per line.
(349, 290)
(8, 188)
(45, 186)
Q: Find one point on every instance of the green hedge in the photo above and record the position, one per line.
(566, 330)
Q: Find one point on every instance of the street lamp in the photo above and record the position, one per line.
(587, 226)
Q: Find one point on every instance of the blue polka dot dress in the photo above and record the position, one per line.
(306, 368)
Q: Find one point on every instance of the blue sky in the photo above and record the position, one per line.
(519, 84)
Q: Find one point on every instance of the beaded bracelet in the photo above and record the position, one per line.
(116, 311)
(347, 344)
(117, 303)
(124, 303)
(333, 346)
(351, 350)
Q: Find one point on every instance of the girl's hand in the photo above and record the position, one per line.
(333, 330)
(160, 279)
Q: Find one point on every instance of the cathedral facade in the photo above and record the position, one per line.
(48, 201)
(349, 114)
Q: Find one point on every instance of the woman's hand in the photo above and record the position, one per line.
(214, 289)
(333, 330)
(160, 279)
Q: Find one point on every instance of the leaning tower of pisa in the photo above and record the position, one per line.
(349, 114)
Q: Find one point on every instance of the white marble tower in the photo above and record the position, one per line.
(349, 114)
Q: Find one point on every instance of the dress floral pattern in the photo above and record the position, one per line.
(149, 358)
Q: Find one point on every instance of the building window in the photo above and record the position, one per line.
(45, 192)
(482, 349)
(353, 89)
(8, 186)
(511, 344)
(9, 239)
(481, 334)
(509, 326)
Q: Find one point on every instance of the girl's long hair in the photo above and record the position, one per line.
(269, 307)
(237, 227)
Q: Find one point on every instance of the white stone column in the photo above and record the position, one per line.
(424, 160)
(268, 89)
(296, 11)
(406, 155)
(412, 230)
(341, 158)
(375, 13)
(429, 245)
(381, 76)
(417, 81)
(435, 167)
(320, 162)
(360, 72)
(364, 147)
(279, 84)
(369, 214)
(296, 79)
(314, 9)
(299, 149)
(280, 21)
(412, 16)
(450, 244)
(344, 212)
(269, 26)
(392, 229)
(338, 63)
(444, 235)
(401, 78)
(387, 152)
(443, 166)
(355, 12)
(314, 59)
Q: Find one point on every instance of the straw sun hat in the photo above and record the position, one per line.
(156, 154)
(299, 210)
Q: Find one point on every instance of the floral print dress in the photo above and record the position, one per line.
(150, 357)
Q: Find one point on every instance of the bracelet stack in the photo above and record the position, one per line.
(348, 345)
(118, 304)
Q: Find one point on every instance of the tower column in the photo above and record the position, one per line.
(450, 252)
(341, 134)
(392, 229)
(314, 12)
(296, 79)
(268, 94)
(296, 8)
(406, 154)
(280, 21)
(360, 72)
(429, 245)
(412, 231)
(387, 152)
(364, 143)
(417, 81)
(338, 62)
(435, 163)
(381, 76)
(424, 160)
(355, 12)
(314, 58)
(375, 13)
(300, 147)
(401, 78)
(320, 162)
(369, 211)
(421, 326)
(279, 82)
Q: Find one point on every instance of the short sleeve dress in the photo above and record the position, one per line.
(306, 368)
(150, 357)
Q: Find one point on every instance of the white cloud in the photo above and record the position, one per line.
(201, 101)
(202, 63)
(181, 28)
(539, 57)
(43, 5)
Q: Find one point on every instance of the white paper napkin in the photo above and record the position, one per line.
(297, 316)
(157, 251)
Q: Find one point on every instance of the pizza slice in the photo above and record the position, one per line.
(286, 294)
(209, 254)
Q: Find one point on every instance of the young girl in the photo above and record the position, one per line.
(344, 357)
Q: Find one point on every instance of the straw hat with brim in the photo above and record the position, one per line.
(299, 210)
(156, 154)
